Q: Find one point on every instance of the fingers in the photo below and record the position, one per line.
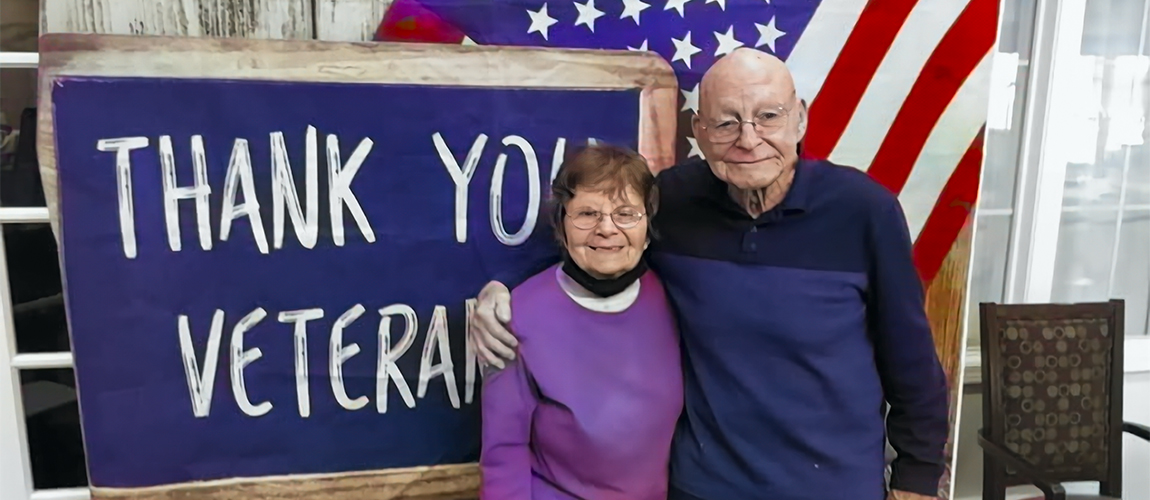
(492, 288)
(475, 331)
(503, 307)
(494, 344)
(501, 342)
(486, 357)
(500, 300)
(492, 335)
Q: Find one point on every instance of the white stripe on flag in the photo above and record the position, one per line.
(819, 46)
(948, 142)
(876, 112)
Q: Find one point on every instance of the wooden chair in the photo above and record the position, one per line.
(1052, 397)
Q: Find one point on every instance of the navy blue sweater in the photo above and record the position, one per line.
(797, 327)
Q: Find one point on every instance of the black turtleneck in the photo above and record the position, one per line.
(603, 287)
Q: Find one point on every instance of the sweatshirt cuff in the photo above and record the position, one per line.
(915, 477)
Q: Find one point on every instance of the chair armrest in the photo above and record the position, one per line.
(1052, 489)
(1136, 429)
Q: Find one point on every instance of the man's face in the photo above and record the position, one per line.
(742, 155)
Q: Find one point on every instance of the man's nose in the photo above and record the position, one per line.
(748, 136)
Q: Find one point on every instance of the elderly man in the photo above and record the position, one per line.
(800, 311)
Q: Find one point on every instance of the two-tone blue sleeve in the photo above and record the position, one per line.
(914, 383)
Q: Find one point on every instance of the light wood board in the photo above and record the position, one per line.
(946, 312)
(444, 482)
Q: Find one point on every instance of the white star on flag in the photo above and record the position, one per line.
(684, 50)
(678, 5)
(632, 9)
(727, 42)
(691, 99)
(540, 21)
(722, 3)
(695, 151)
(588, 14)
(768, 34)
(642, 47)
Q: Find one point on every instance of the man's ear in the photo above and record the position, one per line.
(802, 119)
(696, 126)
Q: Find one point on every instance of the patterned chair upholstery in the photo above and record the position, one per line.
(1052, 397)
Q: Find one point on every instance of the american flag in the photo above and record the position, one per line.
(897, 88)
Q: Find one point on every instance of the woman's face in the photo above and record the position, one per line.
(605, 250)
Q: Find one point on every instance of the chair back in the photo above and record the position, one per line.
(1052, 388)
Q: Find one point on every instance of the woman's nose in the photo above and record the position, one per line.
(607, 225)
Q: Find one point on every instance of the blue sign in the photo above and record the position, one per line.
(269, 278)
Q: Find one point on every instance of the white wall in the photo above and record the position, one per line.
(1136, 452)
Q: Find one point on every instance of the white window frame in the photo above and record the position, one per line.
(1037, 205)
(15, 460)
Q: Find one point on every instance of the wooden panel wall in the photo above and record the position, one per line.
(334, 20)
(348, 20)
(276, 19)
(18, 20)
(18, 25)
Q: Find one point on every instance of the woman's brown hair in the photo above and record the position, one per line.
(602, 167)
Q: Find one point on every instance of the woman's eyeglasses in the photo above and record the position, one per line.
(624, 218)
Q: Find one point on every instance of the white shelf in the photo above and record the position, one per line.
(24, 215)
(62, 494)
(41, 361)
(19, 60)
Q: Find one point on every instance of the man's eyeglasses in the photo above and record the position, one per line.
(624, 218)
(765, 122)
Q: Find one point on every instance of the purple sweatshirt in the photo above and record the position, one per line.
(588, 408)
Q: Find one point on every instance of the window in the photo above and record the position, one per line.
(1101, 230)
(1064, 211)
(994, 217)
(41, 450)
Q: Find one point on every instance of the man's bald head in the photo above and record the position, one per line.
(748, 66)
(752, 92)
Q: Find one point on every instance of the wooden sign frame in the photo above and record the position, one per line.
(311, 61)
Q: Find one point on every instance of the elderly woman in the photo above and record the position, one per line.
(588, 408)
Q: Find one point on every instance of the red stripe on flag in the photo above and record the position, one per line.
(950, 212)
(410, 21)
(965, 44)
(855, 66)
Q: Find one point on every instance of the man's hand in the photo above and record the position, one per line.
(904, 495)
(494, 343)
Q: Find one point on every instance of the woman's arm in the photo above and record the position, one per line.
(505, 462)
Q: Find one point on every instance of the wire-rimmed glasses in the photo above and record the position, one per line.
(623, 217)
(765, 122)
